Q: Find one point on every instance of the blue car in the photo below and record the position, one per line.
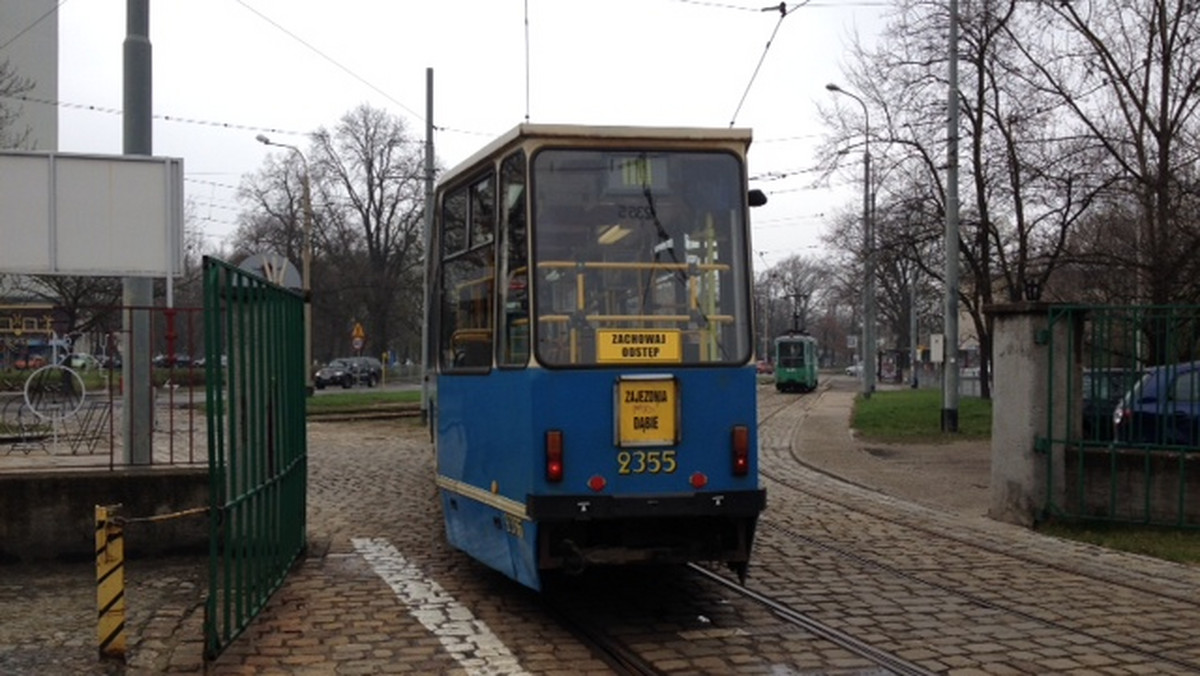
(1163, 408)
(1103, 389)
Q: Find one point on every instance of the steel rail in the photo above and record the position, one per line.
(889, 661)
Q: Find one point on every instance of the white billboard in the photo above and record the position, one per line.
(69, 214)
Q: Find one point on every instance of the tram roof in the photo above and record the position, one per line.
(578, 131)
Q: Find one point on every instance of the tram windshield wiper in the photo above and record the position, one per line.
(665, 241)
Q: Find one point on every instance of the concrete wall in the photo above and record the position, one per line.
(1020, 409)
(51, 515)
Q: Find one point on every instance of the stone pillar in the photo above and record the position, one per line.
(1026, 469)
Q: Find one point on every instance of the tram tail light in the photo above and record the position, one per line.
(740, 444)
(554, 455)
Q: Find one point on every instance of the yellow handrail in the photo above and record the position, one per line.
(619, 265)
(562, 319)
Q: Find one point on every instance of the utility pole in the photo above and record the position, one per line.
(950, 362)
(426, 337)
(913, 333)
(137, 292)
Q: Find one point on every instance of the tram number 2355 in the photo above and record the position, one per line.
(646, 462)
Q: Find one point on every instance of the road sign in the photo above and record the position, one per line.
(358, 332)
(937, 348)
(274, 268)
(357, 343)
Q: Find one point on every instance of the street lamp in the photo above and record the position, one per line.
(869, 246)
(305, 260)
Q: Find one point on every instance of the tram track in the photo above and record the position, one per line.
(893, 663)
(866, 563)
(942, 534)
(606, 647)
(931, 533)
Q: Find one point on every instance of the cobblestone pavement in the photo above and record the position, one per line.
(371, 489)
(905, 555)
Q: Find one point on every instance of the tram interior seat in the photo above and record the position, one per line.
(472, 348)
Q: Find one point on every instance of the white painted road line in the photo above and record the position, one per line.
(467, 639)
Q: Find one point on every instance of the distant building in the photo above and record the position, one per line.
(29, 31)
(25, 334)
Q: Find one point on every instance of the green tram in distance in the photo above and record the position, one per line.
(795, 362)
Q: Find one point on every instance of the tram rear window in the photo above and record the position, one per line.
(640, 257)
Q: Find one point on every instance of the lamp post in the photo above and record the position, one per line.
(305, 259)
(868, 301)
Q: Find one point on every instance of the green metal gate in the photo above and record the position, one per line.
(257, 449)
(1110, 451)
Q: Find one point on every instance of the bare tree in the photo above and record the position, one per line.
(275, 222)
(795, 294)
(378, 168)
(12, 86)
(368, 214)
(1026, 183)
(1128, 79)
(87, 304)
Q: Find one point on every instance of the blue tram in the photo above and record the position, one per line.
(593, 399)
(795, 362)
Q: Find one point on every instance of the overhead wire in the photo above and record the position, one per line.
(783, 13)
(783, 9)
(31, 26)
(331, 60)
(164, 118)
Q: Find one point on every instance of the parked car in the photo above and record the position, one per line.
(1162, 408)
(37, 361)
(1101, 392)
(766, 367)
(854, 370)
(82, 362)
(369, 370)
(178, 360)
(336, 372)
(348, 372)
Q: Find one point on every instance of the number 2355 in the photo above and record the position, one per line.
(646, 462)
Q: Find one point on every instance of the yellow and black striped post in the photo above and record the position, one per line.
(110, 583)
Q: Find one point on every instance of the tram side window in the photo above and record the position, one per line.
(465, 339)
(514, 336)
(483, 208)
(454, 224)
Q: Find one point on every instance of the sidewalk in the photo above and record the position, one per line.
(951, 476)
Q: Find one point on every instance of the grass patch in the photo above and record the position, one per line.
(342, 401)
(916, 416)
(1180, 546)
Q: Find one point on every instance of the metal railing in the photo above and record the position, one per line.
(257, 448)
(1121, 449)
(68, 412)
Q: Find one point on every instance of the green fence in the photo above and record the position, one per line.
(254, 349)
(1122, 430)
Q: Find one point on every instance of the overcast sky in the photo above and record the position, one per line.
(227, 70)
